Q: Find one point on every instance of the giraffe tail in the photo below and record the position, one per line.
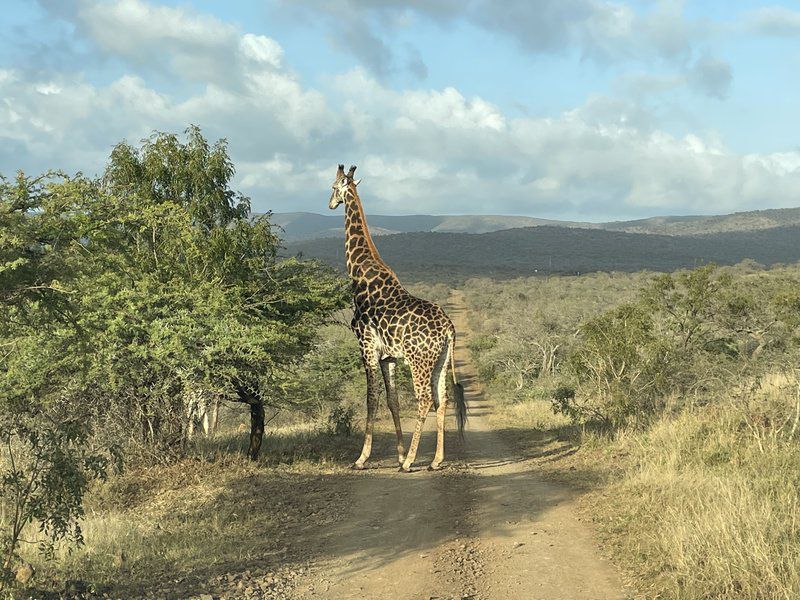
(458, 390)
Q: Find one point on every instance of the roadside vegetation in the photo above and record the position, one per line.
(675, 399)
(149, 334)
(122, 298)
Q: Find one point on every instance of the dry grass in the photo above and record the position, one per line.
(709, 504)
(534, 414)
(176, 528)
(704, 504)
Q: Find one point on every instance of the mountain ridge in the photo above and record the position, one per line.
(299, 226)
(551, 249)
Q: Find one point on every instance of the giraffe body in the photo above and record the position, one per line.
(392, 324)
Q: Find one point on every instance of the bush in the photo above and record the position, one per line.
(340, 420)
(686, 335)
(47, 466)
(622, 367)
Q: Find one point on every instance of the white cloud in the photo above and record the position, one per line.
(592, 159)
(602, 30)
(261, 49)
(774, 20)
(247, 93)
(419, 150)
(192, 44)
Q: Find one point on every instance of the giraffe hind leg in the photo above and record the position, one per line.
(388, 368)
(439, 385)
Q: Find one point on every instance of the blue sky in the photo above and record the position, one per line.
(574, 109)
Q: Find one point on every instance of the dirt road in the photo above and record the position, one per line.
(485, 527)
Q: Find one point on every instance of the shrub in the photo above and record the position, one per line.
(340, 420)
(622, 367)
(47, 466)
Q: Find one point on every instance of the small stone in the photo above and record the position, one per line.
(25, 573)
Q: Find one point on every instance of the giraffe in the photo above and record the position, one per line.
(391, 324)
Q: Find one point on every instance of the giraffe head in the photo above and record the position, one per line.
(343, 186)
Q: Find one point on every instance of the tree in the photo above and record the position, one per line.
(117, 295)
(622, 364)
(689, 302)
(196, 294)
(46, 463)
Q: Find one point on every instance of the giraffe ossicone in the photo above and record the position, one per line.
(392, 324)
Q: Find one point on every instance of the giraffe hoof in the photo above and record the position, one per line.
(357, 467)
(433, 467)
(402, 469)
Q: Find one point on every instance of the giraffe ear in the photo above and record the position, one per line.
(356, 182)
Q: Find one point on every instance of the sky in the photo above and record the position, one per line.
(568, 109)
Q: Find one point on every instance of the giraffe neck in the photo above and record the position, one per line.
(361, 253)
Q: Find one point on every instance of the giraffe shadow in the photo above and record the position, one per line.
(395, 516)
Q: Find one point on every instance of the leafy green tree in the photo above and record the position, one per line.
(196, 295)
(119, 294)
(46, 461)
(622, 365)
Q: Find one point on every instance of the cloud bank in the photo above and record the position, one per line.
(419, 149)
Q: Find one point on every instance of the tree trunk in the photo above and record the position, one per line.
(256, 429)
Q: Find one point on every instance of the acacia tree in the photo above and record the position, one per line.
(197, 295)
(118, 293)
(46, 459)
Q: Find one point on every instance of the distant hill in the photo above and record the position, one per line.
(548, 249)
(696, 225)
(306, 226)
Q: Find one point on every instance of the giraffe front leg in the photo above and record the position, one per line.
(387, 368)
(371, 366)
